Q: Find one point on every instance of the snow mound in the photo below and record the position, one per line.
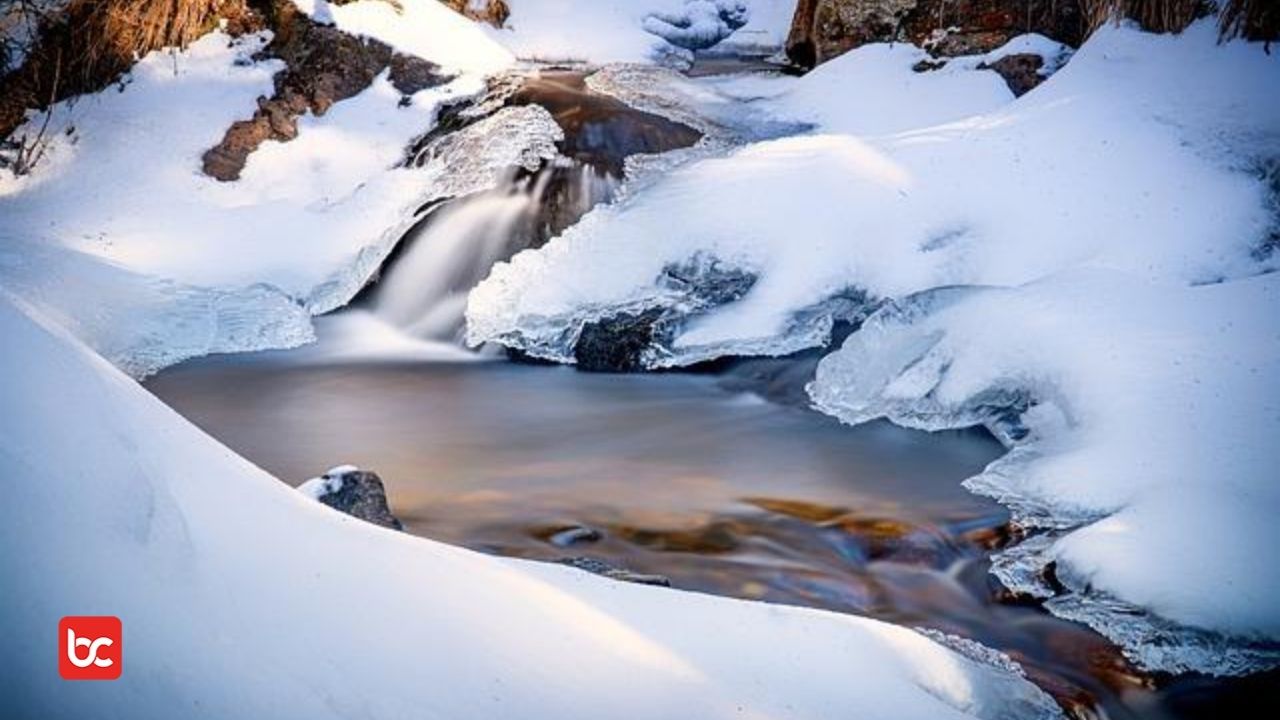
(240, 597)
(873, 90)
(700, 24)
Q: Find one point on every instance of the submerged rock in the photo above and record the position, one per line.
(355, 492)
(574, 535)
(600, 567)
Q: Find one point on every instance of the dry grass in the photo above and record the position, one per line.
(1153, 15)
(105, 36)
(1257, 20)
(90, 43)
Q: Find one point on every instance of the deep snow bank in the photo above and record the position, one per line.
(240, 597)
(1140, 158)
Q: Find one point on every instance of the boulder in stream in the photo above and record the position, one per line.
(355, 492)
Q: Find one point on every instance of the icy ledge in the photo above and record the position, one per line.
(1140, 421)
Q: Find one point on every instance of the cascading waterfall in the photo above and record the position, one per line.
(424, 292)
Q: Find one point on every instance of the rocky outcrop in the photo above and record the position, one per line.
(823, 29)
(323, 66)
(1021, 71)
(494, 12)
(355, 492)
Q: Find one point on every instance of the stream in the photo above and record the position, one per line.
(705, 478)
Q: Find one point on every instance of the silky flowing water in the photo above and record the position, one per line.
(693, 476)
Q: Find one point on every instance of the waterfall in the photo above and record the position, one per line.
(424, 291)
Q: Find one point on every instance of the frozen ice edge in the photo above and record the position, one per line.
(1146, 639)
(1150, 641)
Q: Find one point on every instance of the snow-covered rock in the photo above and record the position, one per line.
(1117, 214)
(240, 597)
(358, 493)
(640, 30)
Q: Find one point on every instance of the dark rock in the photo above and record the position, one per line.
(616, 343)
(410, 73)
(355, 492)
(600, 567)
(928, 65)
(1021, 71)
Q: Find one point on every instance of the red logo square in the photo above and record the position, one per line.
(90, 647)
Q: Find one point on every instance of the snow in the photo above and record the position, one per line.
(218, 266)
(242, 598)
(330, 482)
(872, 90)
(425, 28)
(1116, 220)
(1054, 53)
(640, 30)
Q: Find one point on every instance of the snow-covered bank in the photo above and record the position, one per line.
(1140, 160)
(1151, 426)
(156, 262)
(242, 598)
